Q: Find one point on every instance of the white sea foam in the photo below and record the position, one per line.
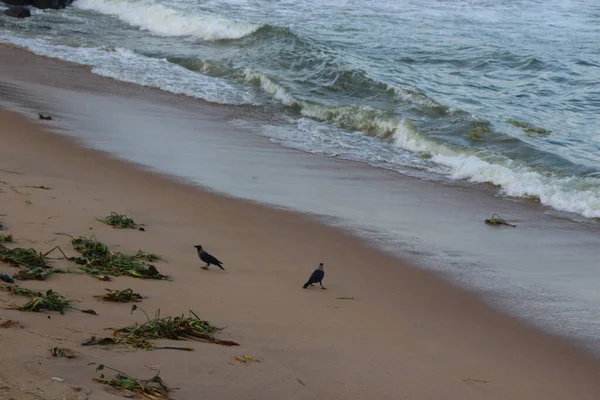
(572, 194)
(128, 66)
(409, 96)
(165, 21)
(565, 193)
(269, 86)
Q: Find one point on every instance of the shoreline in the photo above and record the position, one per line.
(404, 216)
(417, 335)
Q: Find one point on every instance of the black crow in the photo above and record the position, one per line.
(316, 277)
(208, 258)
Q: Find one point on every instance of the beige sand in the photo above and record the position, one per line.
(408, 334)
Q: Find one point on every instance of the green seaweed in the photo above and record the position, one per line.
(6, 238)
(121, 221)
(98, 260)
(480, 129)
(529, 129)
(152, 388)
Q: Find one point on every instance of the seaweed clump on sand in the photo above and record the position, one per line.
(51, 301)
(35, 263)
(152, 388)
(497, 220)
(99, 261)
(19, 291)
(121, 296)
(174, 328)
(121, 221)
(6, 238)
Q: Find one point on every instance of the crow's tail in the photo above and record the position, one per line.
(220, 265)
(306, 285)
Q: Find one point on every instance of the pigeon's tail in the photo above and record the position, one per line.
(307, 284)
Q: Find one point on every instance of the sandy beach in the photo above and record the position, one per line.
(407, 335)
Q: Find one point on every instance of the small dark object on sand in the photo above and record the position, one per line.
(316, 277)
(6, 278)
(208, 258)
(63, 352)
(45, 117)
(496, 220)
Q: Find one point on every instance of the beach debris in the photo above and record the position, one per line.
(37, 187)
(54, 378)
(135, 343)
(35, 263)
(6, 239)
(246, 359)
(121, 221)
(177, 328)
(6, 278)
(121, 296)
(529, 129)
(28, 202)
(475, 381)
(33, 274)
(150, 257)
(152, 388)
(300, 381)
(2, 226)
(99, 261)
(8, 171)
(63, 352)
(497, 220)
(345, 298)
(89, 311)
(20, 291)
(28, 258)
(51, 301)
(6, 323)
(44, 117)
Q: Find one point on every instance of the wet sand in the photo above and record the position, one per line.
(408, 334)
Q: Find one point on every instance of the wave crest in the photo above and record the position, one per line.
(164, 21)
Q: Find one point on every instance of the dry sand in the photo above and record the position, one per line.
(407, 335)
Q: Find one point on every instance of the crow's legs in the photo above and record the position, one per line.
(322, 287)
(206, 266)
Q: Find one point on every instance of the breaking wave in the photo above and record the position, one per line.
(165, 21)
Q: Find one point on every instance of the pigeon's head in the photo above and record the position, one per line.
(321, 266)
(198, 247)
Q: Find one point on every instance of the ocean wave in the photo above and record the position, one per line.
(269, 86)
(579, 195)
(371, 121)
(124, 65)
(410, 96)
(165, 21)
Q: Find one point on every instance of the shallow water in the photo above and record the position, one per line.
(425, 89)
